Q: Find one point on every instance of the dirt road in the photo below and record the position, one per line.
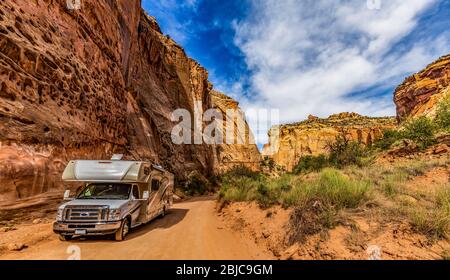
(191, 230)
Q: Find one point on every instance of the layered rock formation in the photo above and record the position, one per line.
(290, 142)
(88, 83)
(419, 94)
(240, 149)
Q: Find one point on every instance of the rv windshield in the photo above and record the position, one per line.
(106, 191)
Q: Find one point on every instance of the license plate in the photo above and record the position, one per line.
(80, 232)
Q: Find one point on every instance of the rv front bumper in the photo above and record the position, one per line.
(86, 228)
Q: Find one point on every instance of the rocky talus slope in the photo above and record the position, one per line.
(88, 83)
(419, 94)
(290, 142)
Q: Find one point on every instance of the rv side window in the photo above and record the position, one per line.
(155, 185)
(135, 192)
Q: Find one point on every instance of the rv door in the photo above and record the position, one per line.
(144, 201)
(154, 206)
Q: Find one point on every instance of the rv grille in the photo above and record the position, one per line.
(86, 213)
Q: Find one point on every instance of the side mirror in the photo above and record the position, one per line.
(146, 195)
(67, 195)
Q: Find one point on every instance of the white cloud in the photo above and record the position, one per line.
(305, 57)
(191, 3)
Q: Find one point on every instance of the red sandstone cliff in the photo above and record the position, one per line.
(288, 143)
(244, 150)
(419, 94)
(88, 83)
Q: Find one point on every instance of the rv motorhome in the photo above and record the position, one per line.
(117, 196)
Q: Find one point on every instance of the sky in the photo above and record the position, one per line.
(304, 57)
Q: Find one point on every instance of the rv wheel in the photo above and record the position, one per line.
(123, 230)
(163, 213)
(65, 237)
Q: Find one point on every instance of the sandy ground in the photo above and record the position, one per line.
(192, 230)
(359, 233)
(357, 239)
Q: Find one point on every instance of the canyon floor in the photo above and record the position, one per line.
(191, 231)
(203, 229)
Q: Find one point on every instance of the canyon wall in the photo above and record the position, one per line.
(161, 79)
(62, 88)
(87, 83)
(419, 94)
(240, 149)
(288, 143)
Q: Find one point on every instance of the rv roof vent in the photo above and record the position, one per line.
(117, 157)
(159, 167)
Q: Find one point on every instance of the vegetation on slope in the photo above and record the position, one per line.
(323, 187)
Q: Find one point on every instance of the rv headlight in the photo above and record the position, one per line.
(59, 214)
(114, 215)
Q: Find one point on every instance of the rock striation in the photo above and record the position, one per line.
(419, 94)
(288, 143)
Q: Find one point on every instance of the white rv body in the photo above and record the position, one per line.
(117, 196)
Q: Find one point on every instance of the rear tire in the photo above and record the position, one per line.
(163, 213)
(122, 232)
(65, 237)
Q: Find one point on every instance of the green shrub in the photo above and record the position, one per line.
(443, 198)
(268, 162)
(265, 192)
(390, 189)
(264, 195)
(197, 184)
(239, 189)
(421, 131)
(390, 136)
(392, 183)
(339, 191)
(271, 190)
(417, 168)
(331, 188)
(434, 222)
(241, 171)
(443, 114)
(344, 152)
(311, 164)
(238, 183)
(317, 204)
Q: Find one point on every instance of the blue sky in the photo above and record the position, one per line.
(205, 30)
(308, 56)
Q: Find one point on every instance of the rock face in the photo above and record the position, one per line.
(290, 142)
(419, 94)
(241, 150)
(83, 84)
(162, 79)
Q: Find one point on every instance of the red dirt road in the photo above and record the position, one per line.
(191, 231)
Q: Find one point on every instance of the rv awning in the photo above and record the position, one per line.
(106, 171)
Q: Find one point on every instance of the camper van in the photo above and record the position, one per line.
(115, 197)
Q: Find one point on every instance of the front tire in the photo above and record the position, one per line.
(65, 237)
(122, 232)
